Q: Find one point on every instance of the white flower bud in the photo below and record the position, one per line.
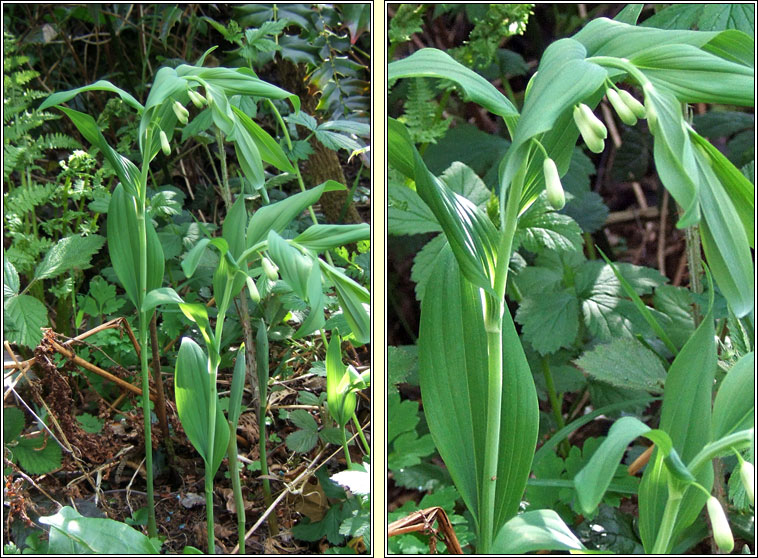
(197, 99)
(722, 533)
(270, 269)
(636, 107)
(594, 142)
(625, 113)
(165, 146)
(553, 187)
(747, 475)
(182, 114)
(594, 122)
(252, 289)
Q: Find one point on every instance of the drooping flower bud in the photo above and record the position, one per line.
(594, 122)
(747, 475)
(652, 116)
(625, 113)
(636, 107)
(593, 141)
(252, 289)
(182, 114)
(722, 533)
(197, 99)
(553, 186)
(271, 271)
(165, 146)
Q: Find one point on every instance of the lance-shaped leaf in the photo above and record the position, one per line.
(316, 301)
(430, 62)
(535, 530)
(261, 361)
(192, 392)
(696, 76)
(167, 85)
(233, 227)
(453, 372)
(340, 397)
(294, 267)
(156, 297)
(198, 314)
(734, 406)
(248, 155)
(469, 230)
(240, 81)
(686, 418)
(124, 249)
(126, 171)
(276, 216)
(554, 93)
(238, 386)
(354, 301)
(325, 237)
(101, 85)
(270, 150)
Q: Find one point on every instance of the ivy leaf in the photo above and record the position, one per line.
(26, 315)
(550, 321)
(71, 252)
(624, 363)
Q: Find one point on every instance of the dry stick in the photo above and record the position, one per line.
(18, 470)
(662, 234)
(641, 461)
(160, 404)
(422, 521)
(79, 361)
(631, 215)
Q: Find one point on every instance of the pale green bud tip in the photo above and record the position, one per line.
(593, 141)
(182, 114)
(553, 187)
(747, 475)
(164, 143)
(722, 534)
(595, 123)
(271, 271)
(252, 289)
(636, 107)
(625, 113)
(197, 99)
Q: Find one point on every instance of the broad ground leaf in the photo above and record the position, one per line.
(26, 315)
(424, 263)
(123, 245)
(453, 377)
(13, 423)
(37, 456)
(70, 252)
(686, 418)
(193, 392)
(72, 533)
(706, 17)
(407, 213)
(624, 363)
(550, 320)
(539, 227)
(11, 283)
(535, 530)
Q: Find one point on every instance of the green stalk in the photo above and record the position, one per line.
(272, 523)
(663, 540)
(361, 436)
(554, 402)
(345, 448)
(212, 370)
(236, 487)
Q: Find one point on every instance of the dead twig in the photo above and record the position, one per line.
(423, 521)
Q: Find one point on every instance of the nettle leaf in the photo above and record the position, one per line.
(26, 315)
(462, 180)
(550, 320)
(423, 264)
(71, 252)
(541, 227)
(588, 210)
(403, 416)
(90, 423)
(302, 441)
(10, 279)
(13, 423)
(624, 363)
(401, 363)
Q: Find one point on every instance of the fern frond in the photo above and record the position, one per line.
(421, 114)
(24, 200)
(58, 141)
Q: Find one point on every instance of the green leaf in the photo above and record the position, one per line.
(303, 419)
(90, 423)
(192, 258)
(706, 17)
(269, 149)
(734, 406)
(11, 283)
(550, 320)
(325, 237)
(624, 363)
(354, 300)
(424, 262)
(453, 378)
(401, 362)
(123, 245)
(13, 423)
(430, 62)
(542, 228)
(193, 393)
(26, 315)
(70, 252)
(294, 267)
(302, 441)
(101, 85)
(676, 303)
(233, 227)
(37, 456)
(238, 386)
(72, 533)
(686, 418)
(277, 216)
(535, 530)
(340, 399)
(248, 155)
(198, 314)
(156, 297)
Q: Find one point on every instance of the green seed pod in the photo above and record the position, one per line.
(553, 187)
(625, 113)
(271, 271)
(197, 99)
(594, 122)
(747, 475)
(722, 534)
(182, 114)
(252, 289)
(636, 107)
(165, 146)
(594, 142)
